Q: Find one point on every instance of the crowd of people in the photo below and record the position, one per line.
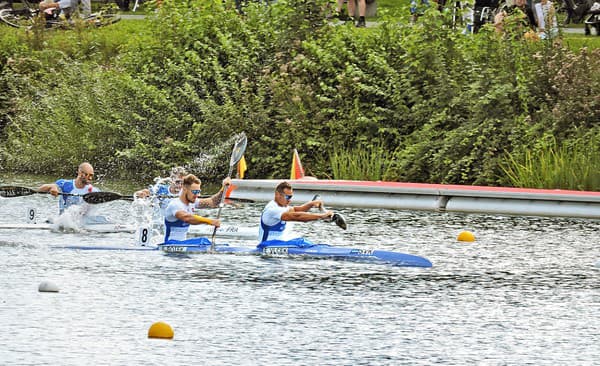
(537, 17)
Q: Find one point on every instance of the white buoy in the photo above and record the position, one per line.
(47, 286)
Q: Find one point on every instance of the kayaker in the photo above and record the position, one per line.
(276, 214)
(179, 214)
(165, 189)
(79, 186)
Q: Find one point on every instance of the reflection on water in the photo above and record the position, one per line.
(526, 292)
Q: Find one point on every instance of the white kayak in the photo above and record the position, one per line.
(225, 231)
(97, 228)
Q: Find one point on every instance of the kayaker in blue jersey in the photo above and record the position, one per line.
(179, 214)
(276, 214)
(165, 189)
(79, 186)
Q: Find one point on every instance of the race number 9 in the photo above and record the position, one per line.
(31, 215)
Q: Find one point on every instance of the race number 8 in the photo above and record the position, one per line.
(144, 235)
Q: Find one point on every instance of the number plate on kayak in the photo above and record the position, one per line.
(174, 249)
(362, 251)
(275, 251)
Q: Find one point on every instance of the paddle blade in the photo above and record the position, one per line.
(339, 220)
(238, 149)
(14, 191)
(102, 197)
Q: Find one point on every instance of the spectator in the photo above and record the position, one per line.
(546, 19)
(67, 7)
(362, 9)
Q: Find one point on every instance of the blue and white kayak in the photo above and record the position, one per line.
(300, 248)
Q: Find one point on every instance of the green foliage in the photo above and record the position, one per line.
(360, 163)
(412, 102)
(574, 165)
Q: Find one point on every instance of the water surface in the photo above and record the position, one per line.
(526, 292)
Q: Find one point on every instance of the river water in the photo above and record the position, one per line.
(527, 291)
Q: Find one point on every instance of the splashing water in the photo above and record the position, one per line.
(75, 217)
(212, 163)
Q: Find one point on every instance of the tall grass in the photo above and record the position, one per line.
(563, 166)
(360, 163)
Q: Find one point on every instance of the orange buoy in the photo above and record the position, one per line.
(160, 330)
(466, 236)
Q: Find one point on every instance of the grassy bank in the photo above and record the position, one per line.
(140, 96)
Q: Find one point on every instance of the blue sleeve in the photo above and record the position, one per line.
(61, 183)
(161, 190)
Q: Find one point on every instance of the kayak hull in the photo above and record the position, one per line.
(322, 251)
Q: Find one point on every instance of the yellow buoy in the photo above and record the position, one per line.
(466, 236)
(160, 330)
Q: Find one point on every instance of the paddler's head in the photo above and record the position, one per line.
(85, 174)
(177, 175)
(283, 194)
(191, 188)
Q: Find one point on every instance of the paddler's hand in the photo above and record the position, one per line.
(227, 181)
(216, 223)
(54, 191)
(326, 215)
(142, 193)
(316, 204)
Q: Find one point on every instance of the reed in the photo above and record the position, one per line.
(560, 166)
(368, 163)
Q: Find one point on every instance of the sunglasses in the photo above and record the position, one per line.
(178, 182)
(195, 191)
(87, 175)
(288, 197)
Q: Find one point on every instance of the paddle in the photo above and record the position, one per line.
(241, 200)
(337, 217)
(103, 197)
(92, 197)
(16, 191)
(236, 155)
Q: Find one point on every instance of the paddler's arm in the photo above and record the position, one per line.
(308, 205)
(50, 187)
(196, 219)
(215, 199)
(305, 216)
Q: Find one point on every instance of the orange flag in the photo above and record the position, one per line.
(297, 170)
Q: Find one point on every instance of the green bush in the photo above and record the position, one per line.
(438, 106)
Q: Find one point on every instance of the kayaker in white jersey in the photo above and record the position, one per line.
(276, 214)
(179, 214)
(79, 186)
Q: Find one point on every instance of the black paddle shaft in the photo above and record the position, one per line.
(16, 191)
